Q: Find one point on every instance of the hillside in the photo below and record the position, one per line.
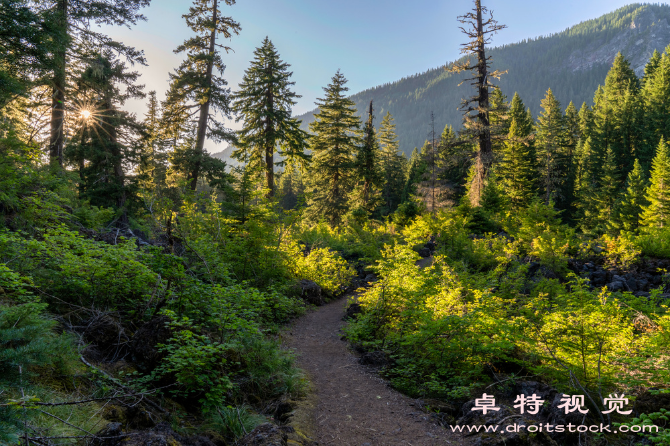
(572, 63)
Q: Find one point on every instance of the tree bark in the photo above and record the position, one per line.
(56, 140)
(201, 134)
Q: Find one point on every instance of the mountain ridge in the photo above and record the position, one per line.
(573, 63)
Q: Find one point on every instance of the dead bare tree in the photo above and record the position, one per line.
(476, 109)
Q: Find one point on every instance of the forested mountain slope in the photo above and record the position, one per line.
(572, 63)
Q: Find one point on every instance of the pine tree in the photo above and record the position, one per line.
(657, 213)
(72, 21)
(264, 101)
(335, 140)
(657, 108)
(572, 135)
(369, 176)
(456, 158)
(629, 210)
(551, 148)
(477, 109)
(415, 171)
(624, 110)
(518, 170)
(152, 168)
(195, 86)
(26, 43)
(589, 163)
(291, 187)
(606, 193)
(393, 165)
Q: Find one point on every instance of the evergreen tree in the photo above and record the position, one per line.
(551, 148)
(26, 43)
(392, 166)
(572, 136)
(291, 187)
(589, 163)
(72, 22)
(606, 192)
(657, 108)
(623, 108)
(105, 146)
(657, 213)
(369, 175)
(335, 140)
(264, 101)
(456, 158)
(415, 171)
(152, 168)
(629, 210)
(195, 86)
(518, 170)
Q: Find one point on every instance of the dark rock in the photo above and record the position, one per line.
(648, 403)
(311, 292)
(424, 252)
(375, 359)
(598, 278)
(266, 435)
(617, 286)
(431, 246)
(143, 345)
(642, 294)
(352, 312)
(370, 278)
(529, 388)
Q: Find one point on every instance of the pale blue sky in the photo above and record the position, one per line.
(371, 41)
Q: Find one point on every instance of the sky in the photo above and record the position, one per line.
(371, 41)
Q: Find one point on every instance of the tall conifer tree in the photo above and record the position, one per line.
(264, 102)
(72, 20)
(369, 176)
(629, 210)
(334, 142)
(657, 213)
(197, 88)
(551, 148)
(393, 165)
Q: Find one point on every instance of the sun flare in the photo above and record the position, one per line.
(85, 114)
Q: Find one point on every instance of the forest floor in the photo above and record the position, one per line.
(353, 405)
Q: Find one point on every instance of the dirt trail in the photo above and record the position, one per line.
(355, 407)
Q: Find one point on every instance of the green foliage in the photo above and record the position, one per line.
(660, 419)
(657, 214)
(325, 267)
(333, 145)
(233, 422)
(264, 101)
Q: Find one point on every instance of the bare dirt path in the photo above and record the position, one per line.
(355, 407)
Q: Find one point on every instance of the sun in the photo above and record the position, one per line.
(85, 114)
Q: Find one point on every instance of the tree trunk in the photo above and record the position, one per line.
(485, 154)
(201, 134)
(56, 140)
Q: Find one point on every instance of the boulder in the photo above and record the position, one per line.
(598, 277)
(311, 292)
(424, 252)
(352, 312)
